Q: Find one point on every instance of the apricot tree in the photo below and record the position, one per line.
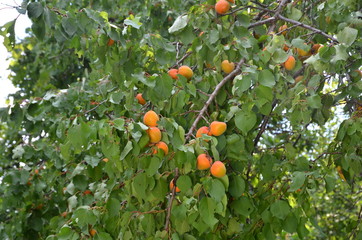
(166, 120)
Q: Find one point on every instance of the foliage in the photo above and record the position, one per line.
(75, 153)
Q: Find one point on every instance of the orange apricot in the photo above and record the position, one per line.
(105, 160)
(64, 214)
(140, 99)
(218, 169)
(298, 79)
(154, 134)
(87, 192)
(285, 47)
(222, 7)
(283, 28)
(172, 185)
(315, 48)
(160, 145)
(202, 130)
(290, 63)
(227, 66)
(92, 232)
(110, 42)
(173, 73)
(303, 53)
(204, 162)
(217, 128)
(185, 71)
(150, 119)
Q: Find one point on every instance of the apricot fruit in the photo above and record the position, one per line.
(217, 128)
(218, 169)
(283, 28)
(160, 145)
(204, 162)
(154, 134)
(303, 53)
(87, 192)
(150, 119)
(227, 66)
(315, 48)
(92, 232)
(298, 79)
(110, 42)
(285, 47)
(290, 63)
(202, 130)
(222, 7)
(172, 185)
(64, 214)
(140, 99)
(173, 73)
(185, 71)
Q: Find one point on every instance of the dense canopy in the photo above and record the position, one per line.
(255, 130)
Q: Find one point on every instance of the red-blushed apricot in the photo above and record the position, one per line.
(150, 119)
(173, 73)
(64, 214)
(92, 232)
(160, 145)
(283, 28)
(154, 134)
(290, 63)
(185, 71)
(222, 7)
(140, 99)
(203, 162)
(202, 130)
(87, 192)
(218, 169)
(315, 48)
(227, 66)
(217, 128)
(285, 47)
(110, 42)
(171, 187)
(36, 171)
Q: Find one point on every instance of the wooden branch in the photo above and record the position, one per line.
(173, 194)
(263, 125)
(316, 30)
(276, 15)
(262, 22)
(181, 60)
(246, 7)
(213, 95)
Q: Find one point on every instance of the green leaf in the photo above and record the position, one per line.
(134, 22)
(290, 224)
(295, 14)
(243, 206)
(280, 56)
(237, 186)
(245, 120)
(113, 207)
(35, 9)
(126, 150)
(92, 160)
(70, 25)
(216, 189)
(347, 36)
(280, 209)
(184, 183)
(298, 180)
(179, 24)
(314, 101)
(155, 164)
(266, 78)
(207, 210)
(85, 216)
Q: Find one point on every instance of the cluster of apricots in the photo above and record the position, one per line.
(185, 71)
(217, 168)
(215, 129)
(223, 6)
(150, 119)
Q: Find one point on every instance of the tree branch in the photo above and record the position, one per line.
(173, 193)
(316, 30)
(277, 14)
(181, 60)
(213, 95)
(247, 7)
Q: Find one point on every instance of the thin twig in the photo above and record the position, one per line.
(92, 109)
(271, 19)
(213, 95)
(181, 60)
(169, 208)
(316, 30)
(326, 153)
(247, 7)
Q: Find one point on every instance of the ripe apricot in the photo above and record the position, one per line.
(36, 171)
(217, 128)
(140, 99)
(105, 160)
(203, 162)
(298, 79)
(227, 66)
(92, 232)
(222, 7)
(160, 145)
(283, 28)
(186, 71)
(315, 48)
(173, 73)
(285, 47)
(150, 119)
(218, 169)
(110, 42)
(87, 192)
(171, 187)
(154, 134)
(290, 63)
(303, 53)
(64, 214)
(202, 130)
